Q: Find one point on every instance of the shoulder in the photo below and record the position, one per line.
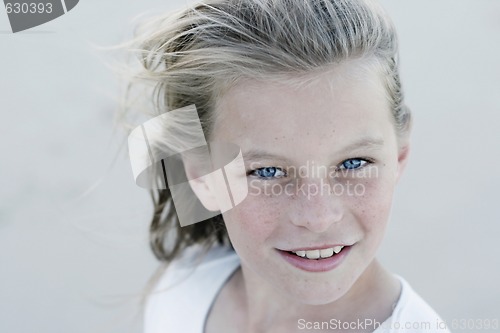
(183, 295)
(412, 314)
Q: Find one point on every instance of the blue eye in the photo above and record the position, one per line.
(268, 172)
(353, 164)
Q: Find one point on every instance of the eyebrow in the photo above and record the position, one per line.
(257, 154)
(363, 143)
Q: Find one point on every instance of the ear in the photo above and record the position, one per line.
(403, 155)
(203, 186)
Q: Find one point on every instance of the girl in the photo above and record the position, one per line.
(309, 92)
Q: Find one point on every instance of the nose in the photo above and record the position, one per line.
(315, 207)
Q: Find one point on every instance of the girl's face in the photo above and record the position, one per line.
(322, 162)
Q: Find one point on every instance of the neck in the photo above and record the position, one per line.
(372, 296)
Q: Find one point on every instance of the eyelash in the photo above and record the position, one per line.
(253, 172)
(340, 167)
(363, 159)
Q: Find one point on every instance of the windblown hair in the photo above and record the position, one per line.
(194, 56)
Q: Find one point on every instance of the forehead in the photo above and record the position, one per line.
(339, 105)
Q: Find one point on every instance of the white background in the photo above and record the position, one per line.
(74, 254)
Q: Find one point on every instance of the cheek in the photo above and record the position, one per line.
(373, 207)
(252, 221)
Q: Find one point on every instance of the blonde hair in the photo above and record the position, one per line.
(195, 55)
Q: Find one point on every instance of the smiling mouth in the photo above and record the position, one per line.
(318, 254)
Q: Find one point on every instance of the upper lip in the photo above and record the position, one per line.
(310, 248)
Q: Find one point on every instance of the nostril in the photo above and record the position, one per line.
(317, 215)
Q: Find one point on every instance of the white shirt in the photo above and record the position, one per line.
(183, 297)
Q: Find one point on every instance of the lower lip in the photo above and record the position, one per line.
(316, 265)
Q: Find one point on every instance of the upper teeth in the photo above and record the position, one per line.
(315, 254)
